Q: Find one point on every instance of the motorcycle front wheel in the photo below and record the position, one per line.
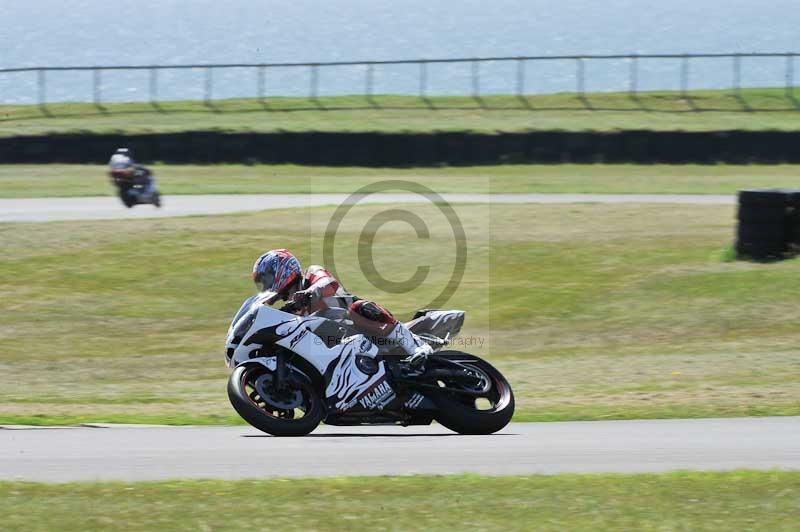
(293, 410)
(127, 198)
(486, 408)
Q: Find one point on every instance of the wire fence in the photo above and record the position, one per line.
(517, 85)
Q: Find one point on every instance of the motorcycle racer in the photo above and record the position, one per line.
(123, 170)
(316, 290)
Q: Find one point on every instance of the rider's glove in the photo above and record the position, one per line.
(304, 297)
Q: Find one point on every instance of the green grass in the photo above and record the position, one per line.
(593, 311)
(741, 500)
(28, 181)
(757, 109)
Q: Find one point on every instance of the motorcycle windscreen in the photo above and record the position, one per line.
(244, 308)
(261, 296)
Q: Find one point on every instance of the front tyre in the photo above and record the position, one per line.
(485, 413)
(127, 198)
(295, 410)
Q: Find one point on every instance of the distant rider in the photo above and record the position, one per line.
(124, 171)
(316, 290)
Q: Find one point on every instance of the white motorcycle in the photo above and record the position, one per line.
(292, 372)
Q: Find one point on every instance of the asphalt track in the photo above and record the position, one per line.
(110, 208)
(130, 453)
(157, 453)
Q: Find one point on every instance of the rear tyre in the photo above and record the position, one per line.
(464, 413)
(294, 411)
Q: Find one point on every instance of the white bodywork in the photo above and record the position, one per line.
(348, 386)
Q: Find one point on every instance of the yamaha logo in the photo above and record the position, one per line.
(379, 397)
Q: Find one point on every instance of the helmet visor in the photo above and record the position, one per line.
(263, 281)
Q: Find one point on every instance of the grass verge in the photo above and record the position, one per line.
(741, 500)
(28, 181)
(753, 109)
(593, 311)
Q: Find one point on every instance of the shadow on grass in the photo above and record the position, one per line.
(427, 101)
(742, 103)
(481, 103)
(45, 111)
(690, 102)
(587, 104)
(582, 103)
(639, 102)
(211, 106)
(157, 108)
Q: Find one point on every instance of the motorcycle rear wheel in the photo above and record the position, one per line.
(266, 413)
(461, 413)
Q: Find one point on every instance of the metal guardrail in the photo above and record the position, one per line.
(423, 64)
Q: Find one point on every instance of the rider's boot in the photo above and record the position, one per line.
(416, 348)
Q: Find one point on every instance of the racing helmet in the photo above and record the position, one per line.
(276, 270)
(121, 160)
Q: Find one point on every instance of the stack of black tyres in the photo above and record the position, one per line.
(769, 223)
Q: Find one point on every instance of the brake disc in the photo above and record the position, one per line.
(284, 399)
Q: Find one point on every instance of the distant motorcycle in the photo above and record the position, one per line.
(137, 195)
(135, 187)
(292, 372)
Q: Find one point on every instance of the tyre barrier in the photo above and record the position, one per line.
(768, 224)
(406, 149)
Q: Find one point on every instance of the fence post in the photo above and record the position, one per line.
(633, 75)
(476, 79)
(685, 76)
(580, 75)
(41, 83)
(520, 77)
(209, 85)
(261, 83)
(737, 74)
(368, 82)
(423, 78)
(153, 86)
(790, 76)
(313, 82)
(97, 87)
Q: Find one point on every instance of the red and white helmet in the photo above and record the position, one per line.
(276, 270)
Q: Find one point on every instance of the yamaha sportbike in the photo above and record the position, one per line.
(291, 372)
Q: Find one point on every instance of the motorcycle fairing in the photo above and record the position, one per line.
(439, 323)
(348, 385)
